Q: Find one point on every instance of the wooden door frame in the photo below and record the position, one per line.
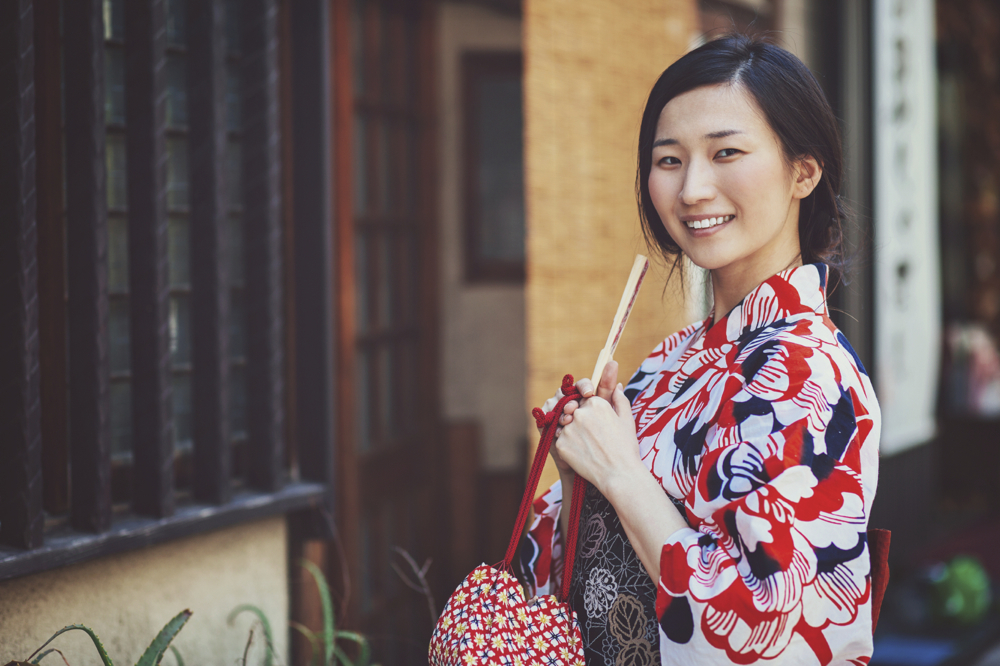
(343, 560)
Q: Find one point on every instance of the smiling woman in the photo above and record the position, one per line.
(731, 479)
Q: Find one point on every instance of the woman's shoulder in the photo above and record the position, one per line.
(811, 351)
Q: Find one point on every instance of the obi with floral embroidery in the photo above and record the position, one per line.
(763, 429)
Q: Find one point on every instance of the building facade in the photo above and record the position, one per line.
(282, 279)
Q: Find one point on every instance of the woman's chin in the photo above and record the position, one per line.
(708, 261)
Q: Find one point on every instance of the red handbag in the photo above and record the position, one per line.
(487, 619)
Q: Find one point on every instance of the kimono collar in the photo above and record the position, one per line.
(795, 291)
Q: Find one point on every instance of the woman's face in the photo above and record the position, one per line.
(721, 184)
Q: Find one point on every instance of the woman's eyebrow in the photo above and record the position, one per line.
(722, 133)
(711, 135)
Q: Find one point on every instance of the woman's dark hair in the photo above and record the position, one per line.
(795, 108)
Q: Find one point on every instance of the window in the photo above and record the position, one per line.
(152, 381)
(494, 167)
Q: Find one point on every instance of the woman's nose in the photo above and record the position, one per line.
(698, 184)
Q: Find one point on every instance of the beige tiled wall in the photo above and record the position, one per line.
(588, 69)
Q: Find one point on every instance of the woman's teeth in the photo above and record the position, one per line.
(710, 222)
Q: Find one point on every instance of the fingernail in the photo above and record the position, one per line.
(620, 386)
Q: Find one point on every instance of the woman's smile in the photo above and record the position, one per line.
(705, 225)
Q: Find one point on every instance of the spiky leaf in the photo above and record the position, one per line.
(313, 641)
(366, 651)
(154, 653)
(87, 630)
(38, 659)
(250, 608)
(341, 656)
(329, 639)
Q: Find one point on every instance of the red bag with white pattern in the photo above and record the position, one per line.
(487, 619)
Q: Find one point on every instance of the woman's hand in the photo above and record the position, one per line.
(600, 442)
(605, 388)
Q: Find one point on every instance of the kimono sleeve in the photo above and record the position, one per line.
(540, 556)
(776, 563)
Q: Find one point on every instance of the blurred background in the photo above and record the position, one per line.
(282, 280)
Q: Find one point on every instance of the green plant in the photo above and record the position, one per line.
(266, 626)
(151, 657)
(332, 653)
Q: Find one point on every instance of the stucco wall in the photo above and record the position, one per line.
(482, 325)
(127, 598)
(589, 67)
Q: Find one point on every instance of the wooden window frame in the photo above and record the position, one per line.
(34, 416)
(476, 65)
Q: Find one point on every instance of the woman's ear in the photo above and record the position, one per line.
(808, 173)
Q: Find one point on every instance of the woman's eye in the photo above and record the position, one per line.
(669, 161)
(728, 152)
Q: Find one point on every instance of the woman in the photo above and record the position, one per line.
(731, 479)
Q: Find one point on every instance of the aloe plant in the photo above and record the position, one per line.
(326, 648)
(151, 657)
(262, 618)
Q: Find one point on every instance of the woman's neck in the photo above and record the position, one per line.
(731, 284)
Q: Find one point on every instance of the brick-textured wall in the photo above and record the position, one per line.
(588, 69)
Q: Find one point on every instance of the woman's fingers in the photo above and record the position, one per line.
(585, 387)
(606, 385)
(623, 408)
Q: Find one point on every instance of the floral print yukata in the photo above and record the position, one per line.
(763, 429)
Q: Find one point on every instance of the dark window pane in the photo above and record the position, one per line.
(233, 40)
(233, 106)
(234, 174)
(385, 166)
(412, 75)
(364, 433)
(359, 80)
(410, 267)
(381, 84)
(409, 166)
(121, 419)
(237, 326)
(180, 329)
(360, 174)
(407, 379)
(385, 393)
(386, 281)
(397, 55)
(237, 402)
(501, 170)
(176, 33)
(177, 174)
(114, 86)
(236, 251)
(119, 351)
(182, 411)
(179, 249)
(361, 280)
(176, 91)
(116, 173)
(118, 254)
(114, 19)
(367, 563)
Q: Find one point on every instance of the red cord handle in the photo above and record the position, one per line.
(549, 424)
